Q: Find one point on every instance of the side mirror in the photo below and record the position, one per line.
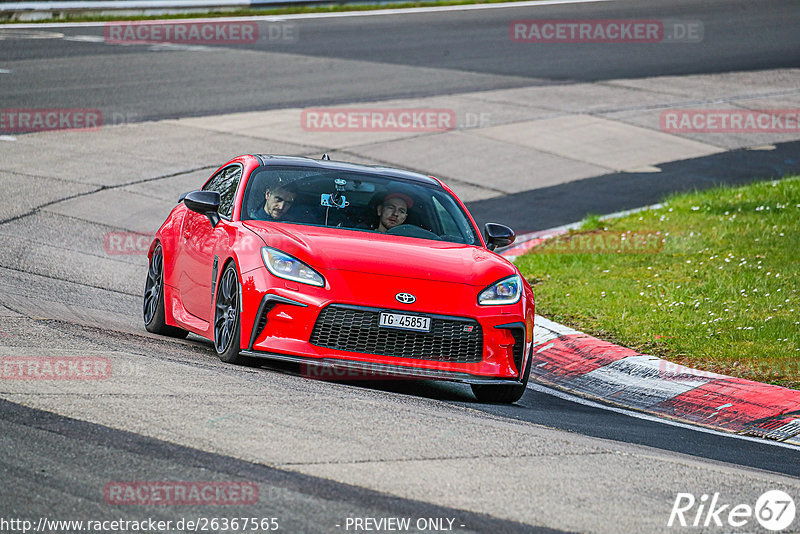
(498, 235)
(204, 202)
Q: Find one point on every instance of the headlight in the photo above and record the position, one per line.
(506, 291)
(285, 266)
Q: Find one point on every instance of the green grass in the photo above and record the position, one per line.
(288, 10)
(723, 295)
(592, 222)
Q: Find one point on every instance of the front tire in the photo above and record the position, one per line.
(227, 328)
(505, 394)
(153, 304)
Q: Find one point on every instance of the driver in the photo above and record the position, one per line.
(277, 202)
(393, 211)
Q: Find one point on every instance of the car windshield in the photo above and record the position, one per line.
(355, 201)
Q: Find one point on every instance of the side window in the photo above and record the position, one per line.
(225, 183)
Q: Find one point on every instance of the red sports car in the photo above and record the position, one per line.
(342, 267)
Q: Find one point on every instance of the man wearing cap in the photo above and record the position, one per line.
(393, 211)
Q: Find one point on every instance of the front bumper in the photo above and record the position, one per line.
(279, 320)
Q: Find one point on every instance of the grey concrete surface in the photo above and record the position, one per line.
(596, 97)
(170, 188)
(726, 141)
(142, 214)
(129, 153)
(25, 193)
(65, 248)
(609, 144)
(473, 158)
(727, 85)
(47, 298)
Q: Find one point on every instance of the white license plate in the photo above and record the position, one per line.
(405, 322)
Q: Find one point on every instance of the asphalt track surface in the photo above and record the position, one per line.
(64, 485)
(342, 60)
(62, 460)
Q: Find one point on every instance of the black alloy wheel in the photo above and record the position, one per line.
(153, 302)
(227, 330)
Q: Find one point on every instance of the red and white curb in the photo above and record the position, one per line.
(571, 361)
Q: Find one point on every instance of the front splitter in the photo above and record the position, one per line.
(330, 368)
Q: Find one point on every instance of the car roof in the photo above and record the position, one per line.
(298, 161)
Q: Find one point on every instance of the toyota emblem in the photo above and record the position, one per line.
(405, 298)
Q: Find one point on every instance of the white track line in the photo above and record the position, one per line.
(640, 415)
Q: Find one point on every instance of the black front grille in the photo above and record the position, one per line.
(355, 329)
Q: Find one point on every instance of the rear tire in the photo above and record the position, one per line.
(153, 305)
(505, 394)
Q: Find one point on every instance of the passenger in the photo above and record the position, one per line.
(393, 211)
(277, 202)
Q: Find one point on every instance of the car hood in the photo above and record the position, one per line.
(368, 252)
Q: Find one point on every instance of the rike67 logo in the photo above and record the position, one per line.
(774, 510)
